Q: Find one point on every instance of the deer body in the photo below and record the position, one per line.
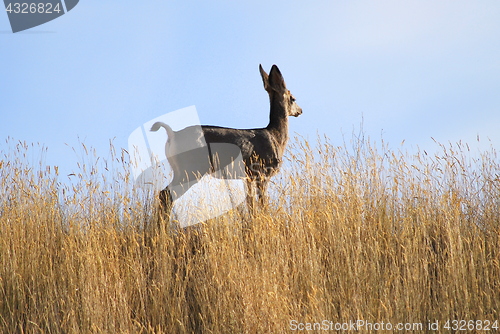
(261, 149)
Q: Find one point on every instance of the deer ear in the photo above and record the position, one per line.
(265, 78)
(276, 81)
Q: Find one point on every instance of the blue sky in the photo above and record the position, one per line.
(411, 70)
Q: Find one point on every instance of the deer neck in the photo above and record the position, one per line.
(278, 119)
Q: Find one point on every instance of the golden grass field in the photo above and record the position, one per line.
(358, 233)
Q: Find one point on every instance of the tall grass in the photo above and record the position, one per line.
(360, 233)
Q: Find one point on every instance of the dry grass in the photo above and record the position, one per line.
(352, 234)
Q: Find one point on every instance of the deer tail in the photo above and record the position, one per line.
(158, 125)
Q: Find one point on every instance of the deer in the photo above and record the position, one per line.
(261, 149)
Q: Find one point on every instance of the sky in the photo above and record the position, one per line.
(407, 70)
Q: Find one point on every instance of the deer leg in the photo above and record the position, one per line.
(166, 203)
(250, 196)
(261, 191)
